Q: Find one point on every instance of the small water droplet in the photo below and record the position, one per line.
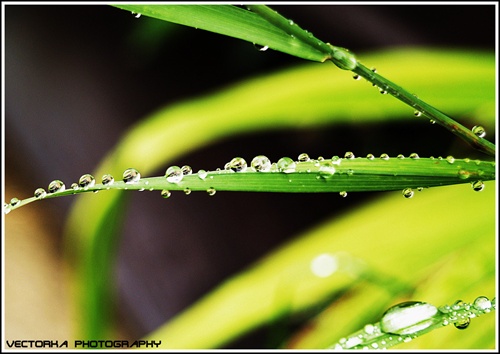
(370, 156)
(261, 163)
(238, 164)
(349, 155)
(401, 156)
(408, 193)
(350, 172)
(382, 91)
(477, 186)
(303, 157)
(14, 201)
(211, 191)
(131, 175)
(408, 318)
(417, 113)
(384, 157)
(374, 69)
(326, 170)
(40, 193)
(174, 174)
(108, 180)
(75, 186)
(187, 191)
(291, 22)
(462, 323)
(343, 194)
(356, 77)
(166, 193)
(260, 48)
(136, 15)
(450, 159)
(286, 165)
(369, 329)
(186, 170)
(479, 131)
(6, 208)
(414, 156)
(482, 303)
(56, 186)
(86, 181)
(202, 174)
(432, 121)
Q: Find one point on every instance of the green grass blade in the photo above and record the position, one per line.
(231, 21)
(296, 98)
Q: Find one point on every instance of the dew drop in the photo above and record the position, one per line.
(370, 156)
(6, 208)
(186, 170)
(356, 77)
(382, 91)
(384, 157)
(369, 329)
(14, 202)
(349, 155)
(291, 22)
(414, 156)
(326, 170)
(261, 163)
(202, 174)
(408, 318)
(211, 191)
(136, 15)
(343, 194)
(478, 186)
(40, 193)
(482, 303)
(401, 156)
(108, 180)
(479, 131)
(56, 186)
(174, 174)
(166, 193)
(303, 157)
(450, 159)
(238, 164)
(417, 113)
(131, 175)
(187, 191)
(463, 323)
(75, 186)
(373, 69)
(86, 181)
(261, 48)
(286, 165)
(408, 193)
(432, 121)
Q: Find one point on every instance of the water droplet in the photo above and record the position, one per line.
(374, 69)
(136, 15)
(479, 131)
(356, 77)
(343, 194)
(401, 156)
(238, 164)
(482, 303)
(408, 193)
(384, 157)
(477, 186)
(211, 191)
(131, 175)
(382, 91)
(462, 323)
(370, 156)
(186, 170)
(291, 22)
(6, 208)
(86, 181)
(417, 113)
(261, 163)
(450, 159)
(324, 265)
(108, 180)
(408, 317)
(75, 186)
(202, 174)
(414, 156)
(286, 165)
(369, 329)
(187, 191)
(166, 193)
(432, 121)
(40, 193)
(326, 170)
(303, 157)
(56, 186)
(174, 174)
(260, 48)
(349, 155)
(14, 201)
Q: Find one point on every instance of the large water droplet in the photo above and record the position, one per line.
(174, 174)
(477, 186)
(482, 303)
(462, 323)
(40, 193)
(326, 170)
(304, 157)
(56, 186)
(86, 181)
(349, 155)
(238, 164)
(479, 131)
(408, 193)
(450, 159)
(261, 163)
(408, 318)
(107, 180)
(131, 175)
(286, 165)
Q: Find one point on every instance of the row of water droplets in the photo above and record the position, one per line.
(406, 321)
(477, 130)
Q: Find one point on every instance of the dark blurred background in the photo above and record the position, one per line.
(78, 76)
